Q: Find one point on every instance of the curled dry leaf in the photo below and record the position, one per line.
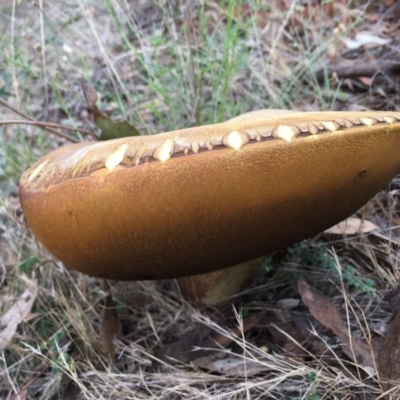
(328, 315)
(352, 226)
(18, 312)
(110, 326)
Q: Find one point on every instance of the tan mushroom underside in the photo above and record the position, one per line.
(200, 199)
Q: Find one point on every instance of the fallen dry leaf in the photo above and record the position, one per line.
(71, 391)
(182, 350)
(328, 315)
(352, 226)
(18, 312)
(202, 348)
(389, 358)
(8, 260)
(366, 80)
(233, 365)
(393, 298)
(365, 39)
(284, 330)
(389, 361)
(110, 326)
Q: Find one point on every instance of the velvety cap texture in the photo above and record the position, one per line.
(197, 200)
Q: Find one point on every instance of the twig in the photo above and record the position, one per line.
(46, 125)
(44, 367)
(63, 135)
(22, 114)
(12, 108)
(3, 273)
(354, 71)
(43, 124)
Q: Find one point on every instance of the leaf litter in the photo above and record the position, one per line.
(19, 312)
(352, 226)
(389, 362)
(206, 349)
(327, 314)
(110, 327)
(283, 325)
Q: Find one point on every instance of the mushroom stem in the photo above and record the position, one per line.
(219, 285)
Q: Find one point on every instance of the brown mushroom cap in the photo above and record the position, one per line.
(201, 199)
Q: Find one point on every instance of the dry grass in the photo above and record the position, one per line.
(164, 65)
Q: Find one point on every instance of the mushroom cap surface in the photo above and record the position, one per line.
(197, 200)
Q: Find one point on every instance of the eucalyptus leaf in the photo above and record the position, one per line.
(112, 130)
(109, 129)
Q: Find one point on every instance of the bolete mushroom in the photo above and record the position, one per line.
(201, 199)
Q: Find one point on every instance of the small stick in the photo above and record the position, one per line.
(46, 125)
(354, 71)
